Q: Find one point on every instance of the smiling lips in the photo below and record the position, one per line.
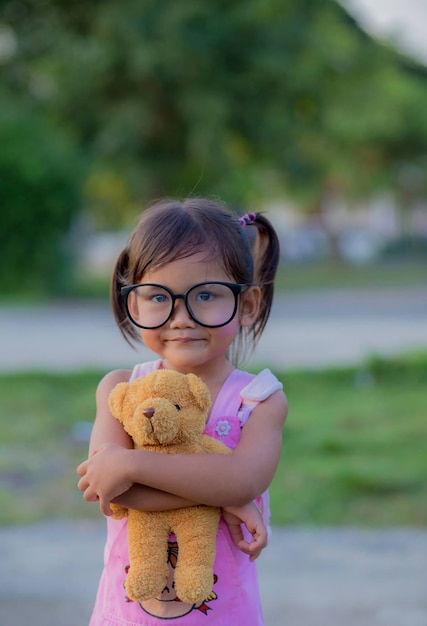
(184, 339)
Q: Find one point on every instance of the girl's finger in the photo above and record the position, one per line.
(105, 508)
(81, 469)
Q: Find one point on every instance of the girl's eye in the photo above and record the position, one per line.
(204, 296)
(178, 408)
(160, 298)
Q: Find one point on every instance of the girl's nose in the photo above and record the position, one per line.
(180, 315)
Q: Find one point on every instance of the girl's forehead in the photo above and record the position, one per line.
(196, 268)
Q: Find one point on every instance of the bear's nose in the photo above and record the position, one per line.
(149, 412)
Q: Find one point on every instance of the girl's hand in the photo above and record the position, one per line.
(251, 517)
(105, 475)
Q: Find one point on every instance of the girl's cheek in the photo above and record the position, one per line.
(228, 331)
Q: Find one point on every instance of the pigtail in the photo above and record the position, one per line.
(266, 255)
(120, 279)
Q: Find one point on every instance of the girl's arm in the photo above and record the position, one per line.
(145, 498)
(251, 517)
(214, 479)
(107, 429)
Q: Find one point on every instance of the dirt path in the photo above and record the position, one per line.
(329, 577)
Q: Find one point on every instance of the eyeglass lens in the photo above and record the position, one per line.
(209, 304)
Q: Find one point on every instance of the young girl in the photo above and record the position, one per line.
(196, 285)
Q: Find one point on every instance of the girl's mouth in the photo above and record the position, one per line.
(184, 339)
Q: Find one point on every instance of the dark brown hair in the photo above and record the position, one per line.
(173, 229)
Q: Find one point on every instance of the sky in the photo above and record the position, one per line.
(403, 22)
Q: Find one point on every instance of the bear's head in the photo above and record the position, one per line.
(162, 408)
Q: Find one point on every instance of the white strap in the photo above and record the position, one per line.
(260, 388)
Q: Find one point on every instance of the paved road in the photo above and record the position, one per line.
(305, 330)
(308, 577)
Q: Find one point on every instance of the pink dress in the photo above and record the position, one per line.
(235, 600)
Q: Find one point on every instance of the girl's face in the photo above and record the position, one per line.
(182, 342)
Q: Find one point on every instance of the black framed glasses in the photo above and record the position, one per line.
(211, 304)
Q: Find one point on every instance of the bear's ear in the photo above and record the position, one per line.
(117, 398)
(200, 391)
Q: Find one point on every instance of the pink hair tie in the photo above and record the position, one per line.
(247, 219)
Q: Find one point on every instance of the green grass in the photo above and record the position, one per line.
(40, 446)
(354, 446)
(330, 274)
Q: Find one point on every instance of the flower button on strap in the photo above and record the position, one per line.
(223, 427)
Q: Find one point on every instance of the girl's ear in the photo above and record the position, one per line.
(249, 306)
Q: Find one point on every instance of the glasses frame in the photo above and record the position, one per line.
(236, 288)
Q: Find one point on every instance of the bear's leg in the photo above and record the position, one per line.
(148, 543)
(196, 537)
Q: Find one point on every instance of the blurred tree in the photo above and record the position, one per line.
(39, 190)
(237, 99)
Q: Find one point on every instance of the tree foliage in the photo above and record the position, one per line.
(239, 99)
(38, 197)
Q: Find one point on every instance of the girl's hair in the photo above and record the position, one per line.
(171, 230)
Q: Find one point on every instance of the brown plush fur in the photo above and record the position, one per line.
(166, 412)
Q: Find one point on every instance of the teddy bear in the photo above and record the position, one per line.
(166, 412)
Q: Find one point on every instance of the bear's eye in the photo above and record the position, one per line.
(178, 408)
